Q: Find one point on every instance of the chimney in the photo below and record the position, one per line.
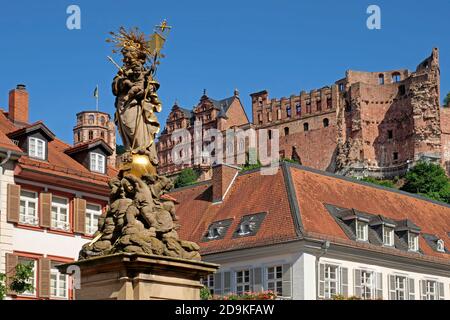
(18, 104)
(223, 176)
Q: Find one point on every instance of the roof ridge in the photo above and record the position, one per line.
(367, 184)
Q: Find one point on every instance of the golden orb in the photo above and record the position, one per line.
(140, 165)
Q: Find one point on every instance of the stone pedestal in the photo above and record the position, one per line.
(127, 276)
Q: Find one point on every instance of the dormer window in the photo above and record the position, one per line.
(36, 148)
(97, 162)
(249, 224)
(388, 236)
(440, 245)
(413, 241)
(361, 230)
(217, 230)
(246, 228)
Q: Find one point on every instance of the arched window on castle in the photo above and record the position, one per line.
(102, 121)
(91, 119)
(326, 122)
(381, 78)
(396, 77)
(298, 109)
(306, 126)
(286, 131)
(288, 111)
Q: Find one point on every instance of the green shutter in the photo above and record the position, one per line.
(392, 287)
(287, 281)
(379, 285)
(321, 280)
(358, 292)
(218, 283)
(344, 281)
(257, 279)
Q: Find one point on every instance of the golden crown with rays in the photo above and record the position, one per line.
(137, 43)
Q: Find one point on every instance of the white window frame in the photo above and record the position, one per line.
(26, 217)
(57, 278)
(244, 285)
(59, 223)
(390, 237)
(97, 162)
(399, 290)
(365, 230)
(431, 290)
(440, 245)
(277, 281)
(33, 279)
(91, 217)
(413, 241)
(34, 153)
(328, 281)
(368, 283)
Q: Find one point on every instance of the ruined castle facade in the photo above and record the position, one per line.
(366, 124)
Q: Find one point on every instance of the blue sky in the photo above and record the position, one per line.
(284, 46)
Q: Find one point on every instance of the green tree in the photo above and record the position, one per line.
(428, 179)
(384, 183)
(20, 282)
(186, 177)
(447, 99)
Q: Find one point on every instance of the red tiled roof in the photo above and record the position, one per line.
(314, 189)
(58, 164)
(294, 200)
(85, 145)
(196, 211)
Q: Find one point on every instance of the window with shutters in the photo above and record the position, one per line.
(97, 162)
(361, 230)
(430, 290)
(208, 282)
(28, 207)
(93, 212)
(60, 213)
(388, 236)
(413, 241)
(274, 279)
(32, 279)
(36, 148)
(331, 281)
(58, 283)
(242, 281)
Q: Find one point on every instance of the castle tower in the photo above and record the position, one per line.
(92, 125)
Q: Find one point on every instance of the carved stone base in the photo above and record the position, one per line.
(134, 276)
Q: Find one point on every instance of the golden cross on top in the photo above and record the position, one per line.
(163, 26)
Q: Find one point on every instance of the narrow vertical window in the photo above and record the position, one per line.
(97, 162)
(60, 213)
(58, 283)
(28, 207)
(36, 148)
(381, 78)
(93, 212)
(275, 279)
